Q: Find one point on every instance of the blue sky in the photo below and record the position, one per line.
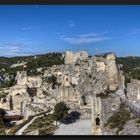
(35, 29)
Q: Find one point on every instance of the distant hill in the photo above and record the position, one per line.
(131, 67)
(131, 64)
(35, 61)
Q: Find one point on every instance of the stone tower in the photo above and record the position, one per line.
(71, 57)
(112, 71)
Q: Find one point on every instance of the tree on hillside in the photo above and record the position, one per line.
(60, 111)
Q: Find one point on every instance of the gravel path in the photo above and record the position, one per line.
(81, 127)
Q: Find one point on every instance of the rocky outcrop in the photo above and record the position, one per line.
(133, 90)
(112, 72)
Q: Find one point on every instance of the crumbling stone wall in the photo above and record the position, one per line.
(71, 57)
(133, 90)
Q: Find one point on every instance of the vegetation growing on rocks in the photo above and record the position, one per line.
(2, 127)
(44, 124)
(138, 121)
(2, 112)
(119, 118)
(33, 72)
(131, 67)
(3, 94)
(44, 60)
(15, 128)
(52, 80)
(2, 131)
(8, 83)
(104, 95)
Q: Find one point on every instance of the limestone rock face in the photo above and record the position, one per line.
(101, 66)
(133, 90)
(112, 71)
(34, 81)
(21, 77)
(115, 104)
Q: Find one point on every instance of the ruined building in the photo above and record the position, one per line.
(81, 82)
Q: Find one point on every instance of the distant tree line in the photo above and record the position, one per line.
(33, 62)
(131, 67)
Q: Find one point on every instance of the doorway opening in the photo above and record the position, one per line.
(97, 120)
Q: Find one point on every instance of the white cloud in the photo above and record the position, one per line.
(84, 38)
(14, 49)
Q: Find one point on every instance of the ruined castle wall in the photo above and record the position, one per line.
(18, 90)
(34, 81)
(17, 99)
(21, 78)
(71, 57)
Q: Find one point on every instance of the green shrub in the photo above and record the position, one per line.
(52, 80)
(130, 67)
(2, 112)
(1, 123)
(2, 132)
(60, 111)
(138, 121)
(102, 95)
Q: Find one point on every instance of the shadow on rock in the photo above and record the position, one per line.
(73, 117)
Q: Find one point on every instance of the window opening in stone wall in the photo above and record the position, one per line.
(84, 100)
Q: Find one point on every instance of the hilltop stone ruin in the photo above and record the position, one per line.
(90, 85)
